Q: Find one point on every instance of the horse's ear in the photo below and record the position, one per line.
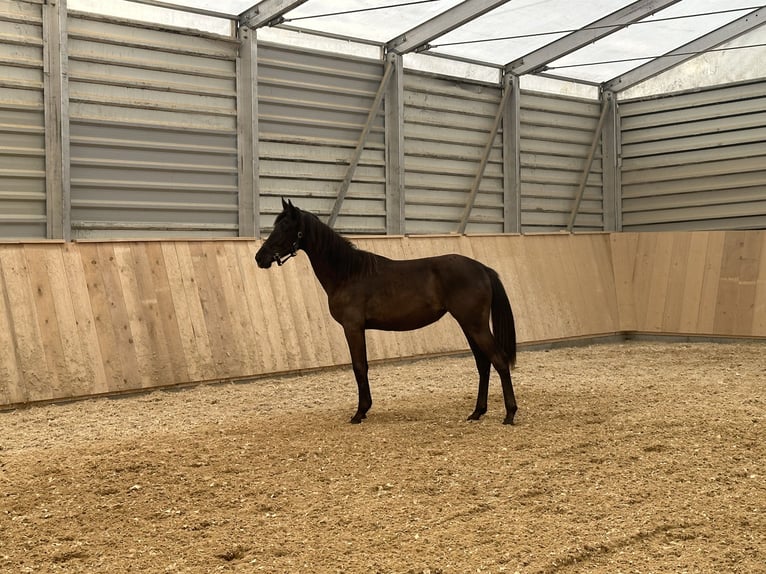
(285, 204)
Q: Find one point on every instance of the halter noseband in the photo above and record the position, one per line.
(293, 251)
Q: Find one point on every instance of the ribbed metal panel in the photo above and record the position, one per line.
(695, 160)
(153, 130)
(556, 134)
(446, 126)
(22, 121)
(312, 108)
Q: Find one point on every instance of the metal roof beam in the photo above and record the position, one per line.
(537, 60)
(419, 36)
(266, 12)
(688, 51)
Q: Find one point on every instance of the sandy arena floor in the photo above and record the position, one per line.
(632, 458)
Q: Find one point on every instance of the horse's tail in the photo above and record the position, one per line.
(503, 325)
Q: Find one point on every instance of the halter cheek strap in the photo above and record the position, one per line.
(293, 251)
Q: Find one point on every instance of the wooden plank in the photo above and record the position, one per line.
(267, 336)
(710, 284)
(759, 306)
(691, 296)
(237, 306)
(142, 347)
(119, 320)
(12, 387)
(607, 296)
(281, 352)
(752, 245)
(186, 301)
(52, 355)
(152, 278)
(98, 296)
(676, 284)
(726, 302)
(624, 247)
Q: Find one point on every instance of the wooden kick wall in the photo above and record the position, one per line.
(691, 283)
(81, 319)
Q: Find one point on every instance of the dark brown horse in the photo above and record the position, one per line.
(368, 291)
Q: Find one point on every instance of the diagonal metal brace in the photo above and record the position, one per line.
(346, 183)
(589, 162)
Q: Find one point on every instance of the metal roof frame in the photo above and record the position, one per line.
(416, 39)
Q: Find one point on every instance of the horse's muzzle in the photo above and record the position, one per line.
(263, 260)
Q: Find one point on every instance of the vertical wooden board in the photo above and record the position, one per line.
(624, 248)
(759, 306)
(152, 277)
(602, 261)
(279, 305)
(642, 275)
(674, 296)
(596, 312)
(267, 284)
(240, 337)
(143, 346)
(196, 352)
(692, 291)
(578, 283)
(727, 298)
(238, 306)
(42, 297)
(748, 279)
(215, 319)
(267, 335)
(203, 357)
(86, 332)
(543, 256)
(152, 344)
(12, 388)
(131, 376)
(91, 264)
(296, 274)
(659, 274)
(710, 284)
(202, 307)
(72, 308)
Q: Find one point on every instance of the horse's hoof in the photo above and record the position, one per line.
(474, 417)
(355, 421)
(508, 420)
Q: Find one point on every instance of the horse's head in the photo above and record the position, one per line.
(284, 240)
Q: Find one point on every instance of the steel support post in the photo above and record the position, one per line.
(56, 96)
(247, 134)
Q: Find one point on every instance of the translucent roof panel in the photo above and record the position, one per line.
(376, 20)
(504, 35)
(648, 39)
(519, 27)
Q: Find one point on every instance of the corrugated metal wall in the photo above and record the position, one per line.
(695, 160)
(556, 134)
(22, 121)
(153, 124)
(152, 115)
(312, 108)
(446, 126)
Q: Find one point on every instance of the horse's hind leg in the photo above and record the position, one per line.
(482, 337)
(483, 365)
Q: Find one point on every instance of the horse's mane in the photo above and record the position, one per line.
(341, 254)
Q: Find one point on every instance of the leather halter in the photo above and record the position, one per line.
(280, 259)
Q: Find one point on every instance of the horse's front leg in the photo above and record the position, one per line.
(357, 344)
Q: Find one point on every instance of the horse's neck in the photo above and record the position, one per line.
(320, 246)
